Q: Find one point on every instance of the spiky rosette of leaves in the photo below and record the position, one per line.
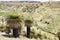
(14, 17)
(28, 21)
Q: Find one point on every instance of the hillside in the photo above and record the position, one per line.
(46, 15)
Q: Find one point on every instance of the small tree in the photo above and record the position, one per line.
(14, 20)
(28, 23)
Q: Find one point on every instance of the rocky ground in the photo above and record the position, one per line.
(4, 37)
(46, 16)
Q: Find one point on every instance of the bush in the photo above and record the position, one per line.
(39, 35)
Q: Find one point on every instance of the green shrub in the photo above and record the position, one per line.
(33, 31)
(39, 34)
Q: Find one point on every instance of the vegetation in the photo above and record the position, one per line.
(28, 21)
(14, 18)
(46, 17)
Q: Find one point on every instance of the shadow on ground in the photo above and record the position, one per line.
(5, 35)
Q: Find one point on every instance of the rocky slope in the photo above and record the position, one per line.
(46, 15)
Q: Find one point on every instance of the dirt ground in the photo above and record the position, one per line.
(4, 37)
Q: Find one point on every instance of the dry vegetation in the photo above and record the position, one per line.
(46, 15)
